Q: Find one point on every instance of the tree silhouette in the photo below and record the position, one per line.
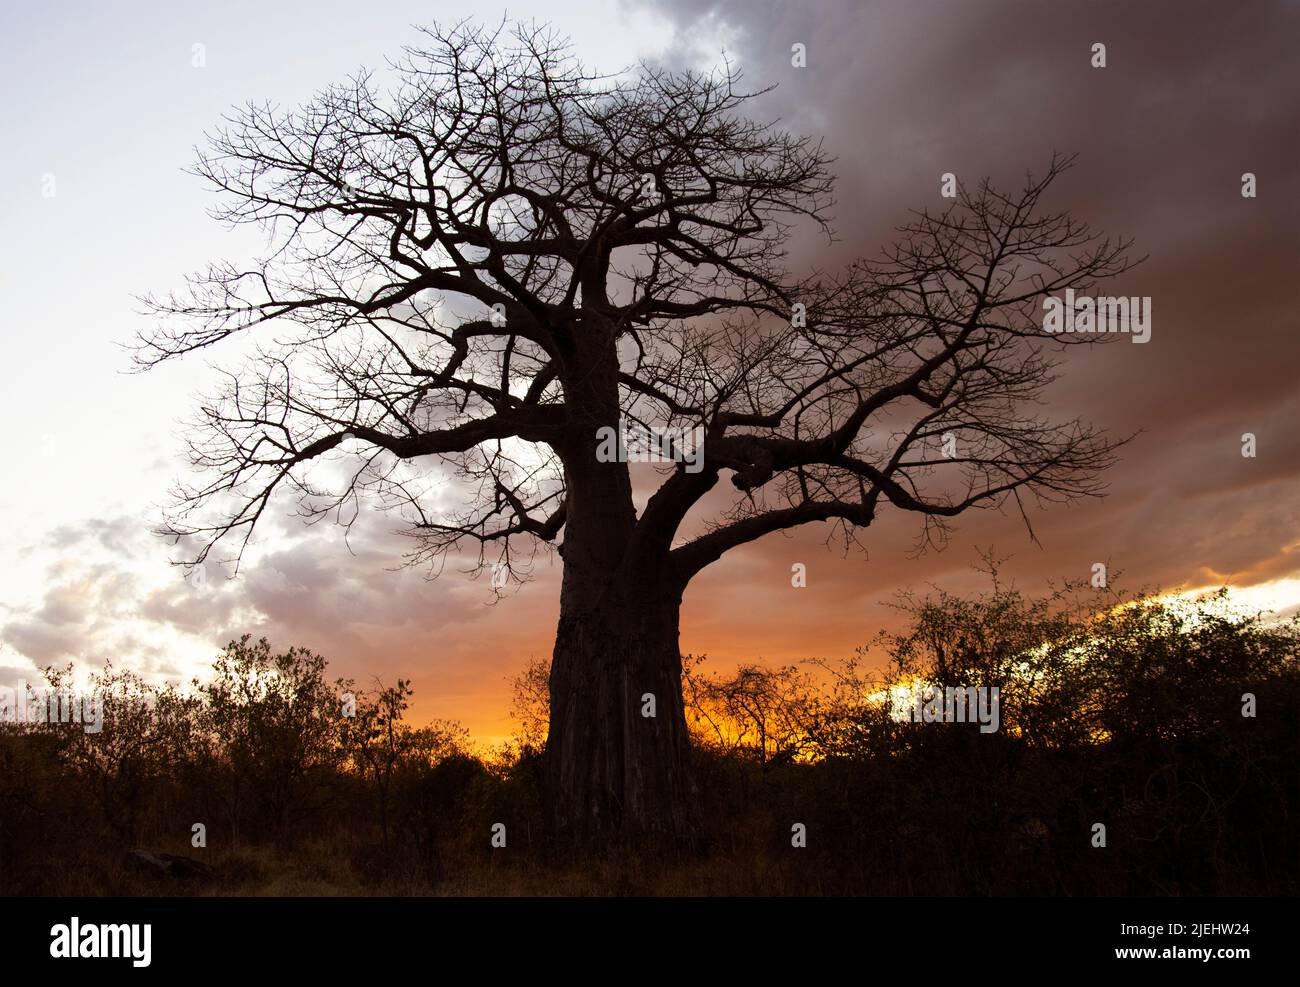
(504, 259)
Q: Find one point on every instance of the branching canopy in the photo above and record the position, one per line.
(446, 255)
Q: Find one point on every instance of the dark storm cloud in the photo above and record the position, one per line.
(1193, 96)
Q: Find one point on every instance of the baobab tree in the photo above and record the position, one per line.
(480, 271)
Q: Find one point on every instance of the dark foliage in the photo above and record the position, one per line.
(1131, 717)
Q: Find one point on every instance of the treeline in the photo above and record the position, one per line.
(1145, 747)
(1173, 724)
(266, 752)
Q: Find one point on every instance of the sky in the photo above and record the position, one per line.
(104, 109)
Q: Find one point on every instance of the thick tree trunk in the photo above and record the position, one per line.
(618, 753)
